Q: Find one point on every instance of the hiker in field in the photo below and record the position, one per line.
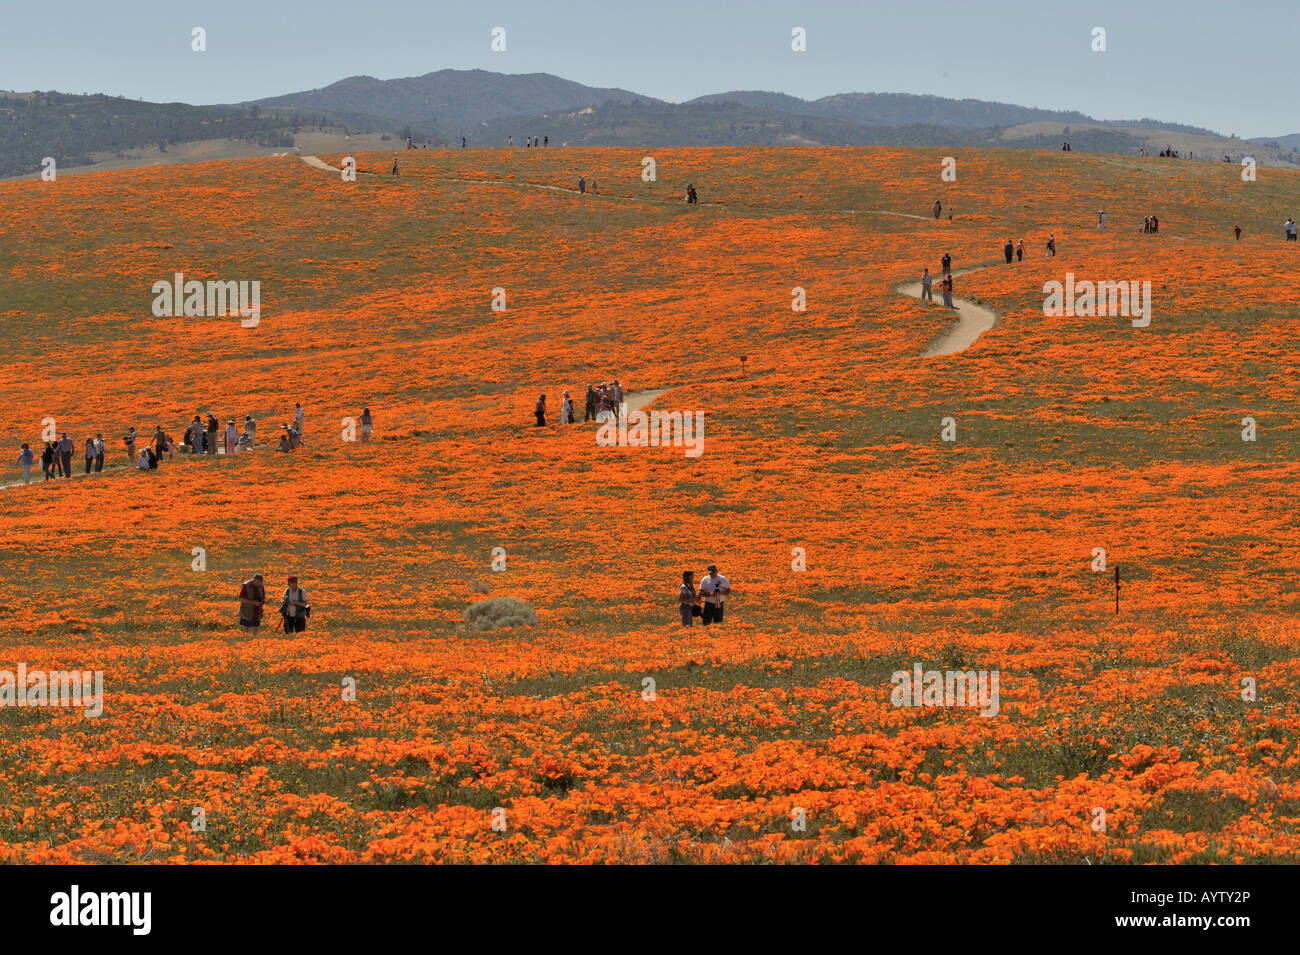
(196, 436)
(295, 437)
(1020, 250)
(566, 410)
(938, 208)
(294, 607)
(47, 460)
(618, 395)
(946, 261)
(714, 589)
(546, 140)
(298, 417)
(26, 457)
(1155, 223)
(252, 597)
(129, 440)
(590, 413)
(1290, 230)
(1101, 219)
(926, 294)
(367, 425)
(462, 142)
(90, 453)
(1051, 244)
(210, 440)
(510, 140)
(1009, 250)
(594, 187)
(65, 455)
(1236, 230)
(100, 450)
(160, 441)
(688, 601)
(692, 197)
(232, 436)
(540, 411)
(250, 429)
(395, 167)
(946, 288)
(283, 446)
(582, 185)
(142, 459)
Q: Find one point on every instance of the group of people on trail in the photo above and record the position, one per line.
(201, 437)
(1150, 225)
(606, 398)
(294, 607)
(706, 603)
(583, 183)
(945, 286)
(1016, 251)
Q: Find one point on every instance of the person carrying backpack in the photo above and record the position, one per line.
(688, 601)
(294, 608)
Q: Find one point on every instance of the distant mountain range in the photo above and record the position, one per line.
(488, 108)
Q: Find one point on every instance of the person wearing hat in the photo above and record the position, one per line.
(714, 589)
(294, 608)
(232, 435)
(210, 442)
(252, 595)
(566, 410)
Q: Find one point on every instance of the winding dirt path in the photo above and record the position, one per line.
(972, 320)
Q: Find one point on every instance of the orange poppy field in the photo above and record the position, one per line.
(863, 532)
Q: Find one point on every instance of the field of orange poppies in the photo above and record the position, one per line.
(858, 541)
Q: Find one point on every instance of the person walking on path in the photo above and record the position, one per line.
(298, 417)
(252, 598)
(367, 425)
(294, 608)
(566, 410)
(90, 453)
(938, 208)
(688, 601)
(714, 589)
(947, 263)
(1009, 250)
(540, 411)
(1236, 230)
(395, 167)
(210, 442)
(1051, 244)
(590, 413)
(582, 185)
(946, 287)
(47, 460)
(926, 294)
(100, 449)
(26, 457)
(1290, 230)
(692, 197)
(232, 435)
(1020, 250)
(1101, 219)
(65, 455)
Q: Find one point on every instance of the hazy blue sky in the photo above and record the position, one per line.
(1230, 66)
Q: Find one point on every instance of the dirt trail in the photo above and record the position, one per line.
(972, 320)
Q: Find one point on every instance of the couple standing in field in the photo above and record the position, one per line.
(294, 608)
(708, 602)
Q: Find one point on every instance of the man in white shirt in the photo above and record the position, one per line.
(714, 589)
(297, 417)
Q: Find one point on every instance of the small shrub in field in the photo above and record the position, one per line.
(478, 587)
(498, 612)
